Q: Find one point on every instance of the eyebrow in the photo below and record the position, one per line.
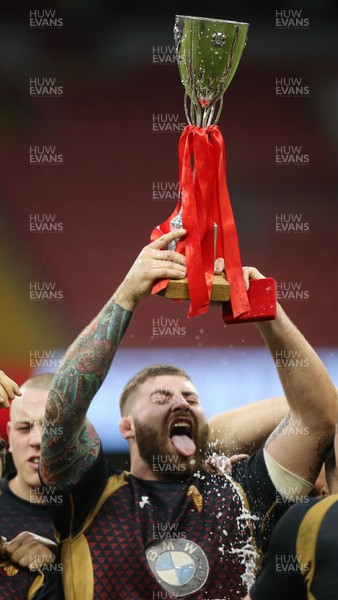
(164, 391)
(167, 392)
(28, 422)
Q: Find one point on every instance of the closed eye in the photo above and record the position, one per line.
(161, 398)
(191, 398)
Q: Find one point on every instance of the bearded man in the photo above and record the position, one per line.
(168, 528)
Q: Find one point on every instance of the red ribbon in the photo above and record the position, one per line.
(205, 201)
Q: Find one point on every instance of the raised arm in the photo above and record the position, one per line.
(81, 372)
(300, 441)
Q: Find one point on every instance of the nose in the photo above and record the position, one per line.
(179, 402)
(35, 436)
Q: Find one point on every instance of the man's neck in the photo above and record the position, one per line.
(141, 470)
(25, 492)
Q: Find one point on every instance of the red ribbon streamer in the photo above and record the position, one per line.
(205, 201)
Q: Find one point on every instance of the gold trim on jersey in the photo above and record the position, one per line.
(307, 539)
(77, 572)
(36, 586)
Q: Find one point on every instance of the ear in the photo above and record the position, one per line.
(126, 428)
(8, 430)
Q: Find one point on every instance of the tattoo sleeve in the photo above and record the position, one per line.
(70, 443)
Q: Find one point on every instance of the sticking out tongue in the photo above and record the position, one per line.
(184, 445)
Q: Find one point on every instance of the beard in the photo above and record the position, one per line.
(168, 464)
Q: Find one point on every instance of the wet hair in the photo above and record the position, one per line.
(147, 373)
(39, 382)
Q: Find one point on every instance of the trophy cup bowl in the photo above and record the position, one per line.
(208, 52)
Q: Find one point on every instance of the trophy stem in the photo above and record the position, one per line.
(195, 116)
(219, 111)
(207, 116)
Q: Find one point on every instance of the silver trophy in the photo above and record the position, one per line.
(208, 52)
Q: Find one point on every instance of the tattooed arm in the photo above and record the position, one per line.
(300, 441)
(85, 365)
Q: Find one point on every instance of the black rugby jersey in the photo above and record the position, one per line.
(302, 559)
(123, 537)
(18, 515)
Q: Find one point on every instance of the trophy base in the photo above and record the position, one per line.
(177, 289)
(262, 295)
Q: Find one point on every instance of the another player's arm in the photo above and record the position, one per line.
(81, 372)
(30, 550)
(246, 428)
(8, 390)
